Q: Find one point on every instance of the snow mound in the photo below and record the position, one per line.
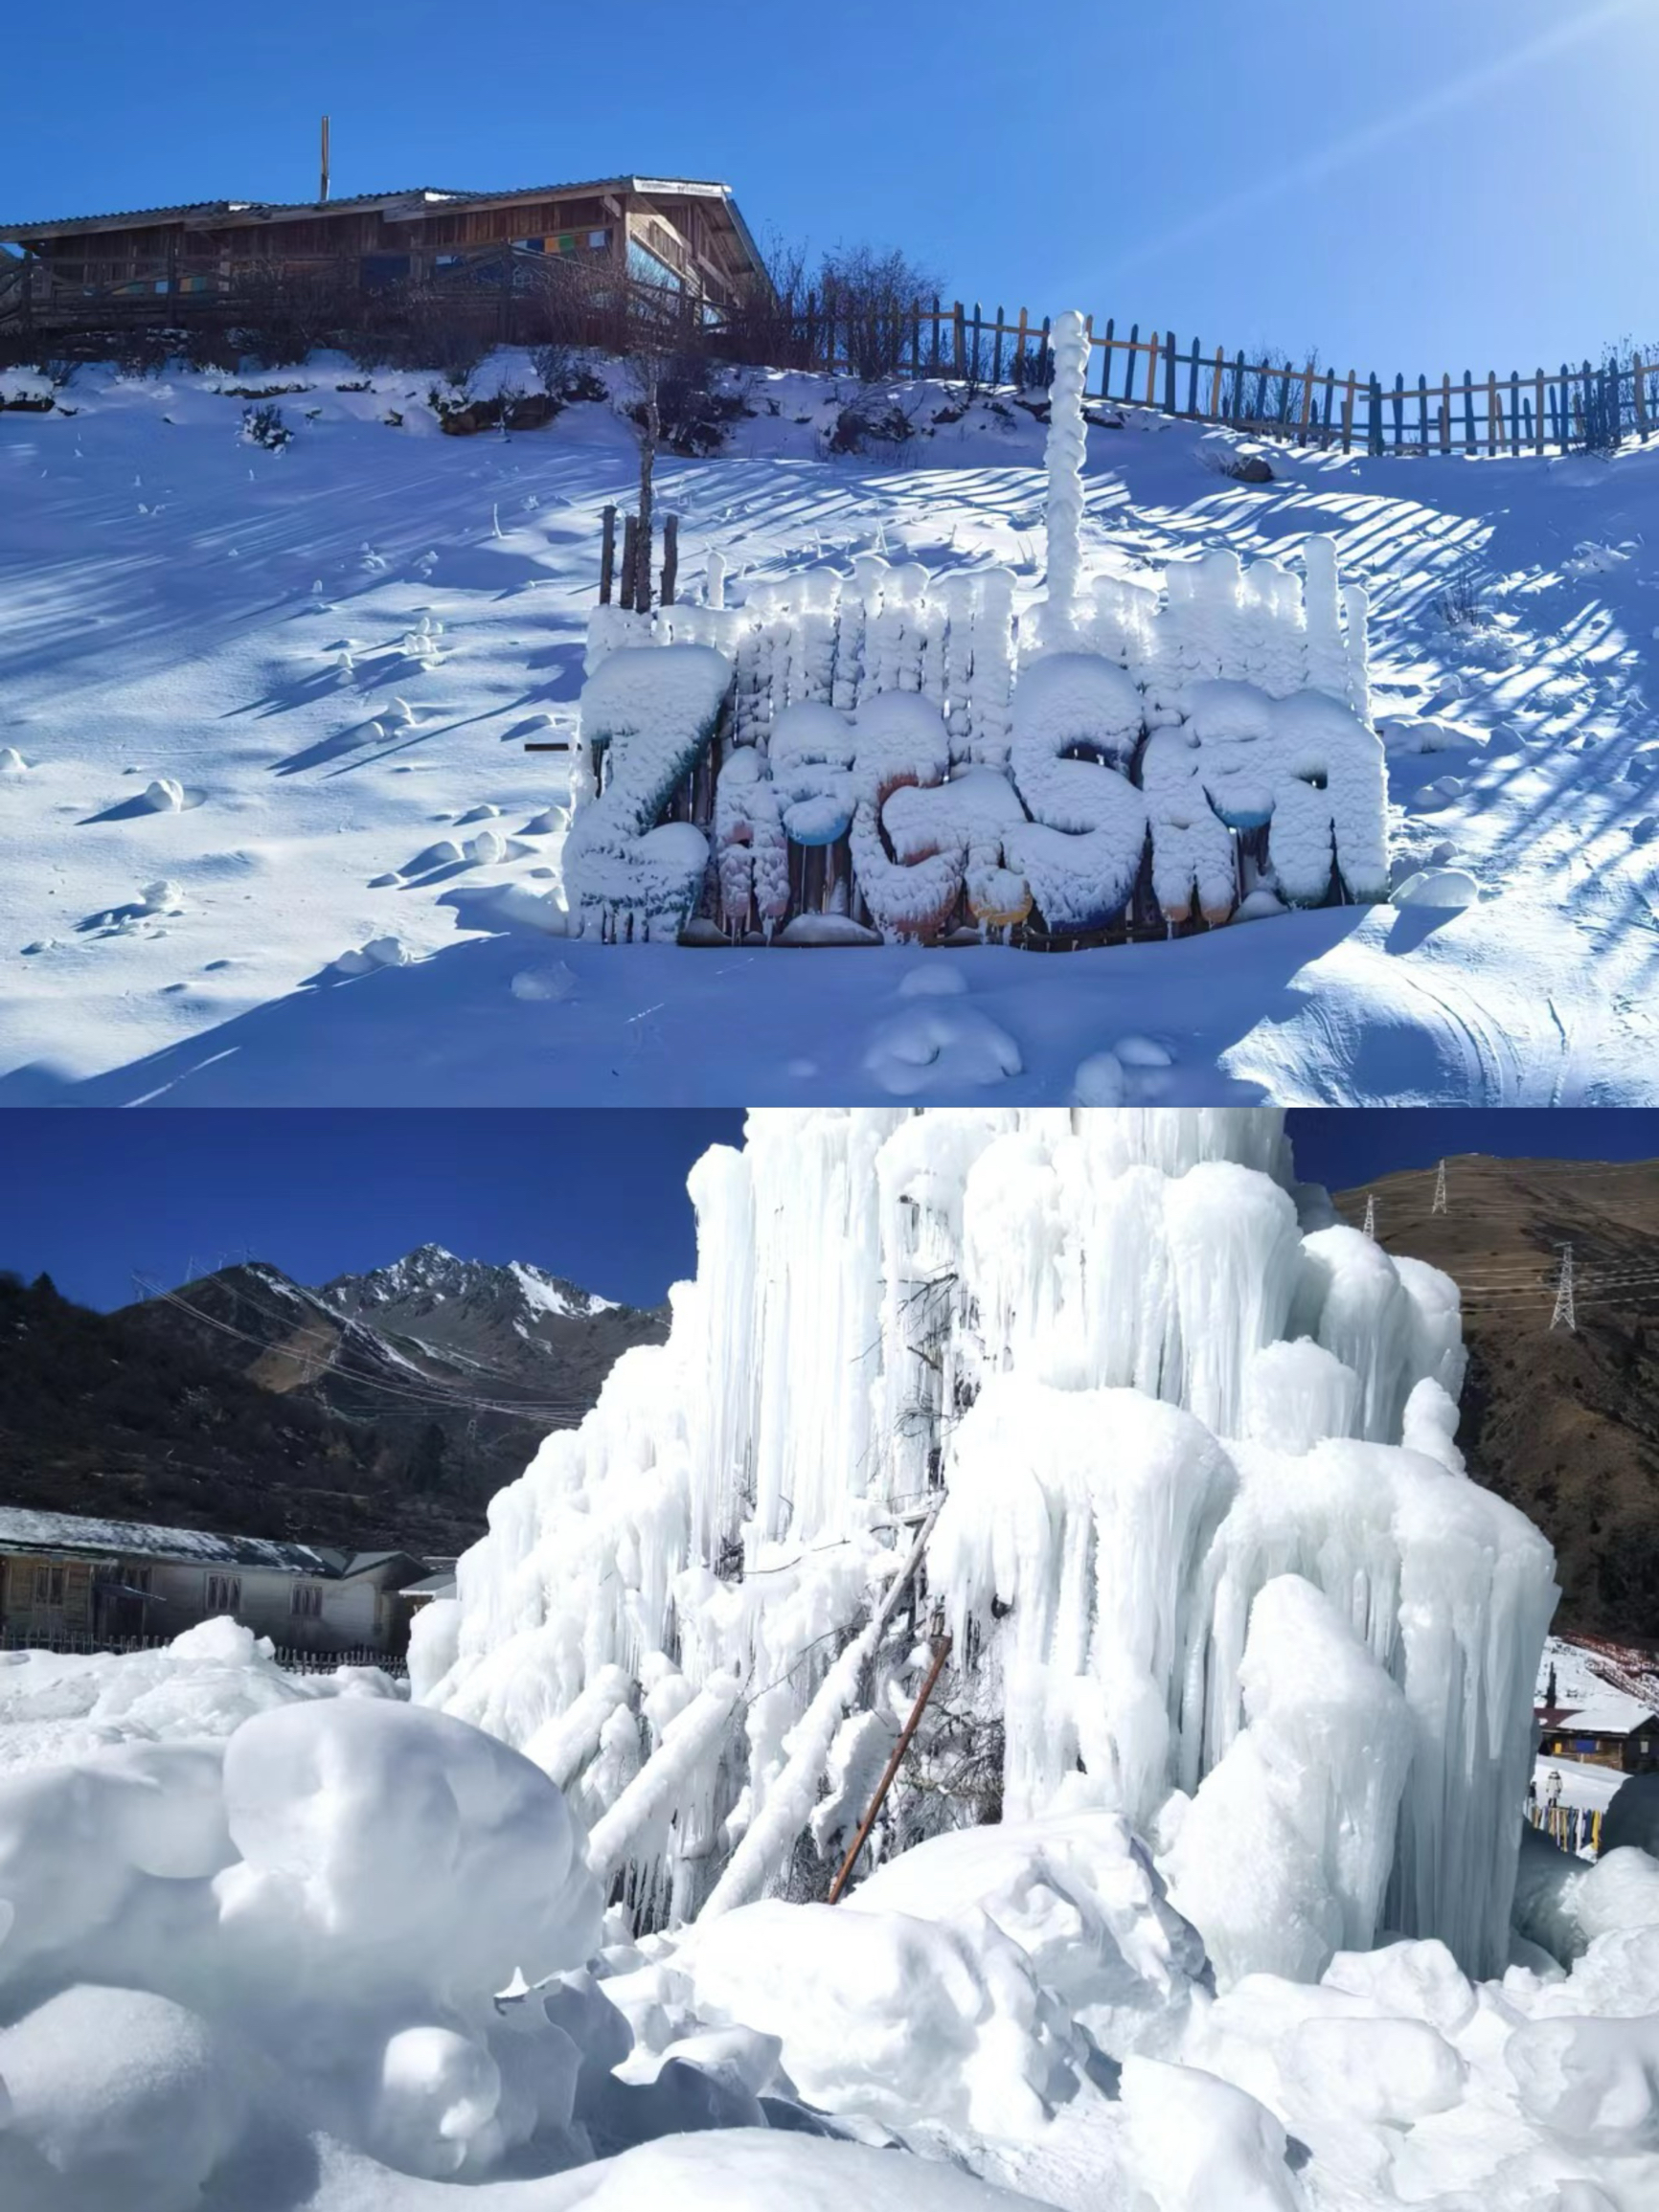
(164, 796)
(1079, 1894)
(1448, 888)
(203, 1684)
(940, 1052)
(884, 2015)
(332, 1896)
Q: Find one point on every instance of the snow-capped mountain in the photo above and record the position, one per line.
(410, 1393)
(515, 1319)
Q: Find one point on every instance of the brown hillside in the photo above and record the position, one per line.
(1566, 1426)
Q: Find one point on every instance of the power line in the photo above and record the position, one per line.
(560, 1412)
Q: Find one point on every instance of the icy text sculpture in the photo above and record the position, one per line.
(1182, 1456)
(896, 756)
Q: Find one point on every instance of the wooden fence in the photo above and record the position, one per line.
(291, 1661)
(1592, 406)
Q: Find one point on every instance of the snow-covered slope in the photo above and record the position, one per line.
(268, 710)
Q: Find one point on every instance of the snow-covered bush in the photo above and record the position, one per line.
(264, 426)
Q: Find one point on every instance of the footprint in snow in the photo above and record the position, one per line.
(939, 1049)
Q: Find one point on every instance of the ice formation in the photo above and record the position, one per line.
(1145, 1395)
(649, 717)
(1066, 455)
(1159, 760)
(1197, 751)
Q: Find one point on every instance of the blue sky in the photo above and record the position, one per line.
(1435, 183)
(95, 1198)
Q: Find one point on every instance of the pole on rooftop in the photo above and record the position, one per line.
(323, 195)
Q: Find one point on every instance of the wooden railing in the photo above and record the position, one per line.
(1561, 410)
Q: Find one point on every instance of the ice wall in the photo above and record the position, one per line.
(1141, 1385)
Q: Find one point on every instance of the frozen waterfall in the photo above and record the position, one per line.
(1148, 1380)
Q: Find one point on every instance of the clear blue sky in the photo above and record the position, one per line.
(598, 1196)
(1428, 185)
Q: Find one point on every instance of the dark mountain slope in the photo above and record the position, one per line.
(251, 1404)
(1565, 1424)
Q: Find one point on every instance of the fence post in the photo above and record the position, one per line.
(936, 333)
(1307, 404)
(1348, 413)
(996, 354)
(1129, 371)
(1330, 402)
(973, 360)
(631, 561)
(1216, 385)
(1638, 379)
(1239, 386)
(1152, 369)
(1494, 414)
(606, 555)
(1469, 413)
(958, 332)
(1374, 415)
(1019, 344)
(1169, 373)
(1192, 382)
(1538, 415)
(1107, 361)
(671, 558)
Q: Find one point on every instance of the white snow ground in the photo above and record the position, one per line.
(335, 653)
(258, 1964)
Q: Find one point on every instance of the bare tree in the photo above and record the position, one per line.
(873, 290)
(645, 366)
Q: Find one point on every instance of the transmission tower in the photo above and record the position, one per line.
(1369, 1215)
(1439, 1206)
(1565, 1293)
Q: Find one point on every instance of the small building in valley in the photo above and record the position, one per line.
(1597, 1704)
(69, 1581)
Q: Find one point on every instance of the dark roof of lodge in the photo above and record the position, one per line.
(432, 199)
(24, 1530)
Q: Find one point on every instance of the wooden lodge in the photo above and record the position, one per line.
(1604, 1730)
(682, 242)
